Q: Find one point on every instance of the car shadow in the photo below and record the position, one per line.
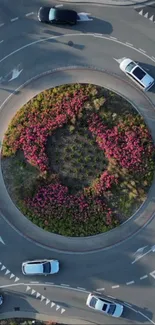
(133, 312)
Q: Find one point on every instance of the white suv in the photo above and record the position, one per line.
(40, 267)
(136, 73)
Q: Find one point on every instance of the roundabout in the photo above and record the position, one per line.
(107, 271)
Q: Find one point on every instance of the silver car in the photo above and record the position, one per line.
(104, 305)
(40, 267)
(137, 74)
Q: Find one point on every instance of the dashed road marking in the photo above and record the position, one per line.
(1, 24)
(98, 292)
(114, 38)
(38, 294)
(57, 307)
(16, 279)
(33, 291)
(1, 41)
(52, 304)
(62, 310)
(34, 282)
(65, 285)
(129, 44)
(100, 289)
(29, 14)
(142, 50)
(12, 276)
(131, 282)
(3, 267)
(14, 19)
(7, 272)
(144, 277)
(116, 286)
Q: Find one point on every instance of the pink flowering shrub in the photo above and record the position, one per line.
(130, 145)
(53, 200)
(31, 135)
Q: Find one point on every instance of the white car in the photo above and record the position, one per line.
(105, 306)
(137, 74)
(40, 267)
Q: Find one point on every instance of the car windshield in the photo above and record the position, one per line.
(130, 66)
(47, 267)
(111, 309)
(139, 73)
(52, 14)
(93, 302)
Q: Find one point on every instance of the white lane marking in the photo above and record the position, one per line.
(43, 284)
(14, 19)
(1, 24)
(15, 73)
(7, 272)
(129, 44)
(131, 282)
(152, 249)
(65, 285)
(70, 35)
(81, 288)
(84, 16)
(28, 288)
(1, 43)
(52, 304)
(3, 267)
(153, 57)
(150, 320)
(116, 286)
(49, 283)
(144, 277)
(29, 14)
(12, 276)
(100, 289)
(57, 307)
(16, 279)
(33, 291)
(34, 282)
(112, 297)
(126, 303)
(58, 6)
(142, 50)
(98, 292)
(47, 301)
(38, 294)
(114, 38)
(1, 240)
(62, 310)
(152, 274)
(42, 298)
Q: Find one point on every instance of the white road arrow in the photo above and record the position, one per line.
(1, 240)
(15, 73)
(84, 16)
(140, 254)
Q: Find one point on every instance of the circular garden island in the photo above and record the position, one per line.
(78, 160)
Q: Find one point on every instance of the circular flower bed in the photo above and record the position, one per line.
(78, 160)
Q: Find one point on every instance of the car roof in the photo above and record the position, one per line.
(63, 14)
(101, 305)
(34, 268)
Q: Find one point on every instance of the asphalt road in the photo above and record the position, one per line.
(31, 49)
